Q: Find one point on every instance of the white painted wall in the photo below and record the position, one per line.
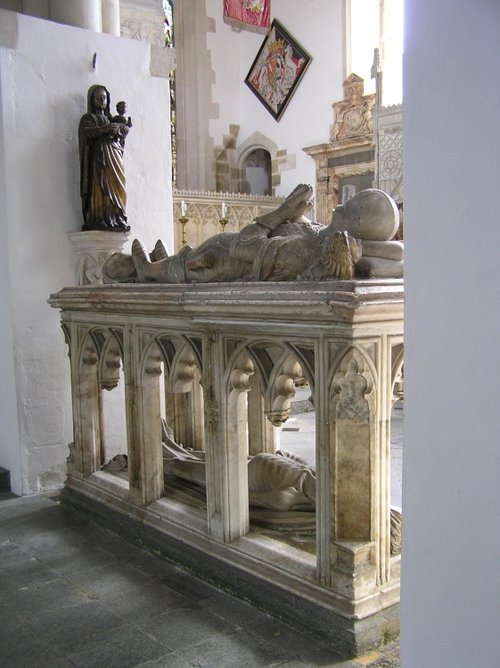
(43, 85)
(450, 610)
(10, 457)
(318, 26)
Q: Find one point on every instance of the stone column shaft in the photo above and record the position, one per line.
(111, 17)
(79, 13)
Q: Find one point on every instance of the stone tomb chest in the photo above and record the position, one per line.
(214, 367)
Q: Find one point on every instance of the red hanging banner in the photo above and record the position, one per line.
(248, 14)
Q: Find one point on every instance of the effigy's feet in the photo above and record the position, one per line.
(140, 258)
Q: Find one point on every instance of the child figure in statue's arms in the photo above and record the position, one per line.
(124, 121)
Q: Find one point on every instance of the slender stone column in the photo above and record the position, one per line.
(111, 17)
(142, 391)
(214, 434)
(262, 434)
(86, 454)
(79, 13)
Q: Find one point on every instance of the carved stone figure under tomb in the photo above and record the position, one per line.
(280, 246)
(280, 481)
(281, 486)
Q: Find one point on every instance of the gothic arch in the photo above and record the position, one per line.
(276, 367)
(257, 141)
(151, 359)
(181, 397)
(88, 450)
(111, 360)
(258, 356)
(364, 361)
(184, 396)
(397, 372)
(184, 369)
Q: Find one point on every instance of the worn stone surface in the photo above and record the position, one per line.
(74, 593)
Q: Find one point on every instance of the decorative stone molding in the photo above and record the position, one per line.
(353, 114)
(92, 249)
(365, 150)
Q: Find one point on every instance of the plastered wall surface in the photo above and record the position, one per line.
(318, 27)
(450, 611)
(45, 71)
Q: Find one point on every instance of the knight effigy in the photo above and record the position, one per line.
(283, 245)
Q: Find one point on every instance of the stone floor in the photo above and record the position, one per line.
(74, 594)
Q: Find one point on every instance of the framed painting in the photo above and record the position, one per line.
(277, 69)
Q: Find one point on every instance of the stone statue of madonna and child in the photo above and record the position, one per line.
(101, 139)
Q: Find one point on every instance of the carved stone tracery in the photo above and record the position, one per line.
(388, 124)
(233, 343)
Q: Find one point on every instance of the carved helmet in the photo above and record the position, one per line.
(371, 215)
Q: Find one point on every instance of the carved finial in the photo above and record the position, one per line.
(376, 73)
(376, 67)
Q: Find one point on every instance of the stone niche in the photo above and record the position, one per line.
(220, 363)
(346, 164)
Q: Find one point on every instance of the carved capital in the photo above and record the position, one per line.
(278, 417)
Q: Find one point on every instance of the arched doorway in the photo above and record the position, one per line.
(257, 172)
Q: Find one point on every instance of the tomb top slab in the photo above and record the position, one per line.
(318, 302)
